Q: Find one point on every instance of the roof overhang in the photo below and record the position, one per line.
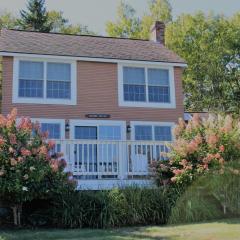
(91, 59)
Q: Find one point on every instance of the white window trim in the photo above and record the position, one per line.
(58, 121)
(149, 123)
(147, 104)
(97, 123)
(44, 100)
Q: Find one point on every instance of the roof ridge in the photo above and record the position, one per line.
(76, 35)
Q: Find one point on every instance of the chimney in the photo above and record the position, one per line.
(158, 32)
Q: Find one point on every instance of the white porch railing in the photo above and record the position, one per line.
(98, 159)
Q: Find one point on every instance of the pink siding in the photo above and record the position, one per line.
(96, 93)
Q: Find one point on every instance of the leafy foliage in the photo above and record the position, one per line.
(28, 170)
(36, 18)
(211, 48)
(128, 25)
(201, 145)
(113, 208)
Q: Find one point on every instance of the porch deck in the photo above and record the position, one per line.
(100, 164)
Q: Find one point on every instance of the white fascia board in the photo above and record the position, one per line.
(89, 59)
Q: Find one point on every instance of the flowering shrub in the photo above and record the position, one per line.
(199, 146)
(27, 169)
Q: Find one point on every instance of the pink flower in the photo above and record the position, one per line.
(2, 173)
(192, 147)
(184, 162)
(174, 179)
(228, 124)
(11, 117)
(51, 144)
(13, 139)
(62, 163)
(212, 139)
(25, 152)
(11, 150)
(196, 120)
(198, 139)
(178, 171)
(221, 148)
(3, 121)
(54, 165)
(2, 141)
(221, 161)
(43, 150)
(13, 162)
(25, 124)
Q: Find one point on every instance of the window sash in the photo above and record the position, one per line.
(156, 86)
(47, 84)
(152, 132)
(53, 129)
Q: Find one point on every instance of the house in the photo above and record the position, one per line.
(109, 103)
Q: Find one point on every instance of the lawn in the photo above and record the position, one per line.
(218, 230)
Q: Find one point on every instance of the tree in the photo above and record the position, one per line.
(28, 168)
(159, 10)
(7, 20)
(127, 24)
(36, 18)
(211, 48)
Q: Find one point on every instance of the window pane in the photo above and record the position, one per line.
(31, 70)
(163, 133)
(135, 93)
(59, 89)
(59, 71)
(109, 132)
(30, 88)
(85, 132)
(159, 94)
(143, 132)
(53, 130)
(132, 75)
(158, 77)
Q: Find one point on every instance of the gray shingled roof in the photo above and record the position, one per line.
(16, 41)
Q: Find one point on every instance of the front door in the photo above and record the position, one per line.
(97, 152)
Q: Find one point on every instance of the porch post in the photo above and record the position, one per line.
(122, 160)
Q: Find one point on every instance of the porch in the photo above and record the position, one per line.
(104, 164)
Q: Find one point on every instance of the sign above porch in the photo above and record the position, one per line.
(97, 115)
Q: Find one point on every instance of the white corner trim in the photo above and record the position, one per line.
(44, 100)
(89, 59)
(123, 103)
(96, 123)
(59, 121)
(149, 123)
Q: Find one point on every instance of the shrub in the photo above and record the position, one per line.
(113, 208)
(200, 145)
(27, 168)
(211, 196)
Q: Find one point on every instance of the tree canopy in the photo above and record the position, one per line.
(210, 45)
(36, 17)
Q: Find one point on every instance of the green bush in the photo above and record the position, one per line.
(113, 208)
(211, 196)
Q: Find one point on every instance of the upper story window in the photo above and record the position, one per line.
(141, 86)
(44, 81)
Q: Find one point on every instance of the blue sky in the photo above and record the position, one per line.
(95, 13)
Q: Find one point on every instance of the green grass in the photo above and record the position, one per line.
(218, 230)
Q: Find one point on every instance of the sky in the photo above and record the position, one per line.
(95, 13)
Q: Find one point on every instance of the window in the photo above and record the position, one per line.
(146, 86)
(44, 81)
(134, 84)
(158, 85)
(58, 80)
(30, 79)
(143, 132)
(53, 130)
(85, 132)
(152, 132)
